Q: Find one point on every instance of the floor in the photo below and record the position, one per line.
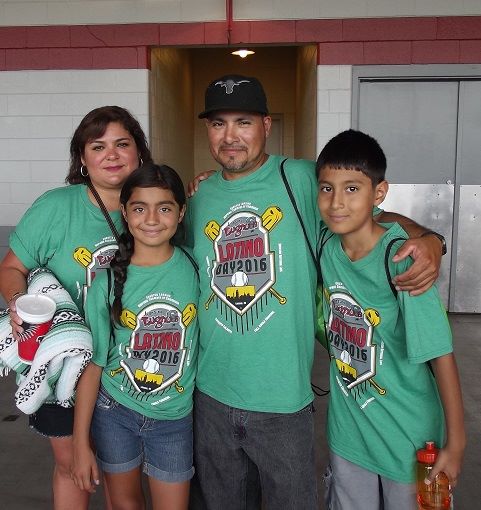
(25, 460)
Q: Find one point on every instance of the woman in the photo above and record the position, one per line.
(66, 231)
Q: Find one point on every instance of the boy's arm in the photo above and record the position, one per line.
(85, 472)
(426, 250)
(451, 455)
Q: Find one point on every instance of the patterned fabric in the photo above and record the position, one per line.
(61, 357)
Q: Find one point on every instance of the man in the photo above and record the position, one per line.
(253, 405)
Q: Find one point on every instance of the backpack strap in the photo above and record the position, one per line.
(314, 256)
(192, 261)
(387, 258)
(109, 306)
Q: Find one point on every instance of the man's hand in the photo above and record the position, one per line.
(193, 186)
(426, 252)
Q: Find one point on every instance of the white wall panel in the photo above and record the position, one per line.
(47, 171)
(11, 212)
(335, 82)
(76, 12)
(5, 192)
(25, 13)
(36, 125)
(27, 192)
(81, 12)
(404, 8)
(28, 104)
(20, 170)
(286, 9)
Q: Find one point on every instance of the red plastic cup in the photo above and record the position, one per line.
(36, 312)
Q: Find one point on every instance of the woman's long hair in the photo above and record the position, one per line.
(92, 127)
(148, 175)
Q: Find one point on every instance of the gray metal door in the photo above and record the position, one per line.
(430, 131)
(466, 279)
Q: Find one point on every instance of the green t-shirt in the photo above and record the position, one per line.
(65, 232)
(257, 281)
(150, 363)
(384, 403)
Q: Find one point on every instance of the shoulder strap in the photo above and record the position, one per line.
(109, 307)
(387, 258)
(104, 211)
(189, 256)
(314, 256)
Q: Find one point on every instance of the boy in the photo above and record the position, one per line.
(385, 402)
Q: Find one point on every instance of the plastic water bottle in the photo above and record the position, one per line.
(437, 495)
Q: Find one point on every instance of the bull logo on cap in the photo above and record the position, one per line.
(230, 84)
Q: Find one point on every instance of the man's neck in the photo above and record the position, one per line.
(232, 175)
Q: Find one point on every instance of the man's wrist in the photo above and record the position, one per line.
(444, 248)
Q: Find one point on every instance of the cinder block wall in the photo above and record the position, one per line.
(39, 111)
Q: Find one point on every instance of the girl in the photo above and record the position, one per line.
(136, 394)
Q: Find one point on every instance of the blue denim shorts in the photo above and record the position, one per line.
(125, 439)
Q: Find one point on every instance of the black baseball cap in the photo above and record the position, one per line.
(235, 92)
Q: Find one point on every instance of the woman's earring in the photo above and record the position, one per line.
(141, 161)
(83, 171)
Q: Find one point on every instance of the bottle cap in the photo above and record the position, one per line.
(428, 454)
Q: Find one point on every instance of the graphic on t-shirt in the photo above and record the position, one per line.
(94, 262)
(243, 270)
(156, 355)
(349, 333)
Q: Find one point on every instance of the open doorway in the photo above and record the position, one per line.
(178, 80)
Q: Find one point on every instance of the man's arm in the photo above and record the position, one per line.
(425, 249)
(193, 186)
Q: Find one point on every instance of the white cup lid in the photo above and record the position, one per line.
(35, 308)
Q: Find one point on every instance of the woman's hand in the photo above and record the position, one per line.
(15, 321)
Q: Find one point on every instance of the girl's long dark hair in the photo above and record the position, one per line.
(148, 175)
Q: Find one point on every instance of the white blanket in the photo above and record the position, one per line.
(61, 357)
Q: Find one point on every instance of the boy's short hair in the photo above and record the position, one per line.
(354, 150)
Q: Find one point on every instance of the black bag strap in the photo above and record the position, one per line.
(189, 256)
(104, 210)
(387, 258)
(109, 306)
(298, 214)
(314, 254)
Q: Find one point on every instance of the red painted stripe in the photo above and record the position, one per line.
(340, 41)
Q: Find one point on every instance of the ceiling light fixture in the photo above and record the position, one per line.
(243, 53)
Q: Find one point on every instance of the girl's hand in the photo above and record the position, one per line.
(449, 461)
(84, 470)
(193, 186)
(426, 252)
(15, 321)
